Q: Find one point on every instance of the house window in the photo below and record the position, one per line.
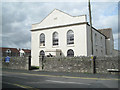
(101, 52)
(96, 52)
(101, 41)
(55, 38)
(70, 53)
(42, 39)
(70, 37)
(42, 53)
(95, 39)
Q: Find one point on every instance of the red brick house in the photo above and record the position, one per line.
(14, 51)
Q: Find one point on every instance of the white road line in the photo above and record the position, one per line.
(66, 82)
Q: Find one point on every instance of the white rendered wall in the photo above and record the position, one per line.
(79, 47)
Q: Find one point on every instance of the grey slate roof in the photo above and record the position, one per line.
(106, 31)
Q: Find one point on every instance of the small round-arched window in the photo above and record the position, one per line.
(42, 53)
(70, 53)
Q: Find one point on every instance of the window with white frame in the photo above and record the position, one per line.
(42, 39)
(55, 39)
(70, 37)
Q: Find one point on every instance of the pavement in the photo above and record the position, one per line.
(39, 79)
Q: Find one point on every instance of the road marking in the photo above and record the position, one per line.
(22, 86)
(66, 82)
(64, 76)
(16, 76)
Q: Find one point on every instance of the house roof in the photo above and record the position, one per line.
(4, 49)
(106, 31)
(15, 50)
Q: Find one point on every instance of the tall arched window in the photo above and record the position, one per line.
(70, 37)
(42, 53)
(70, 53)
(42, 39)
(55, 38)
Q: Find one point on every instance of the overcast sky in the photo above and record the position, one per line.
(17, 18)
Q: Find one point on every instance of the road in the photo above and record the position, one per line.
(36, 79)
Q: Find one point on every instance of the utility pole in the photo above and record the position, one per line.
(93, 57)
(90, 19)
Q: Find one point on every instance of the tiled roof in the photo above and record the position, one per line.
(12, 49)
(106, 31)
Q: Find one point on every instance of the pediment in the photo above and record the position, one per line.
(57, 18)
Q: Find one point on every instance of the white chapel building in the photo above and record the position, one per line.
(60, 34)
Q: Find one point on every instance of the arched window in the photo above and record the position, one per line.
(55, 38)
(42, 53)
(42, 39)
(70, 53)
(70, 37)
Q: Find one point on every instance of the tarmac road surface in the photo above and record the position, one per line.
(36, 79)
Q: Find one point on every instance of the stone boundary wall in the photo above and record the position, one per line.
(104, 63)
(78, 64)
(16, 63)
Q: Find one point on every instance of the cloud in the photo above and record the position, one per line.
(18, 17)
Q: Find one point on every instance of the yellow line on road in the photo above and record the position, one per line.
(65, 76)
(22, 86)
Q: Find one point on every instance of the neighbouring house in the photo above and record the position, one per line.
(9, 51)
(60, 34)
(15, 52)
(25, 52)
(109, 40)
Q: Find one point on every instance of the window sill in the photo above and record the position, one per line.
(42, 46)
(72, 45)
(55, 46)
